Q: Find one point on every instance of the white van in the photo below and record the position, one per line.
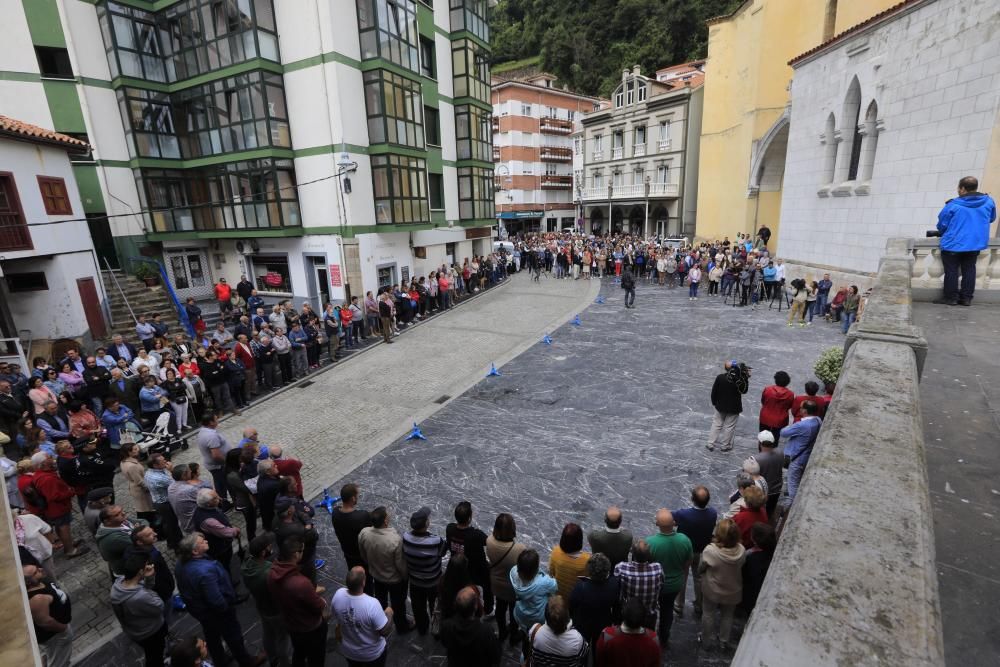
(506, 245)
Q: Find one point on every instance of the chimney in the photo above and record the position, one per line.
(636, 70)
(624, 75)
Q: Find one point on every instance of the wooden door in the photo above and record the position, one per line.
(92, 307)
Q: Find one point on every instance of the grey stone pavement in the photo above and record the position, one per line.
(960, 401)
(615, 411)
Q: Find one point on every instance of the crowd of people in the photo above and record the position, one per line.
(607, 596)
(742, 273)
(611, 602)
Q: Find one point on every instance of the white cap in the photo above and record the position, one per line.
(765, 436)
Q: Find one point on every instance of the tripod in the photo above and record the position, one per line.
(777, 290)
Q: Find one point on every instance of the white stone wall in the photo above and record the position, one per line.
(934, 74)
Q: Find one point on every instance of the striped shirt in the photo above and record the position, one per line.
(548, 649)
(423, 558)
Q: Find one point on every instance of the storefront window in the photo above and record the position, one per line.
(270, 273)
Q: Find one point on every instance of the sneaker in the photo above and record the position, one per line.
(790, 324)
(710, 447)
(801, 324)
(963, 302)
(727, 449)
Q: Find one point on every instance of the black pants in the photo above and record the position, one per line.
(250, 516)
(505, 617)
(238, 392)
(309, 648)
(219, 479)
(955, 262)
(219, 626)
(394, 594)
(285, 362)
(772, 504)
(629, 296)
(168, 524)
(221, 398)
(666, 614)
(422, 600)
(154, 646)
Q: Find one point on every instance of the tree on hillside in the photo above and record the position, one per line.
(587, 43)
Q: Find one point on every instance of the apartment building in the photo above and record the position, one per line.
(640, 155)
(323, 148)
(533, 124)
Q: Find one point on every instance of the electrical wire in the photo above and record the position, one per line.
(242, 199)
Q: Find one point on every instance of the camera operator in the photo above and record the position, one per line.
(727, 399)
(964, 228)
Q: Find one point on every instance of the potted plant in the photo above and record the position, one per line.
(148, 275)
(830, 364)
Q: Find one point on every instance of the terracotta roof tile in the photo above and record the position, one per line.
(27, 131)
(854, 29)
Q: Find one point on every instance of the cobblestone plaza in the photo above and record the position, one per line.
(614, 411)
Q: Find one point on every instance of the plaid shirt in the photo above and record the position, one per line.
(641, 580)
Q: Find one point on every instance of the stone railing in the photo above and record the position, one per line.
(928, 271)
(853, 580)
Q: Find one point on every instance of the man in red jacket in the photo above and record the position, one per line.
(812, 388)
(775, 402)
(287, 466)
(58, 495)
(629, 644)
(243, 352)
(305, 613)
(223, 294)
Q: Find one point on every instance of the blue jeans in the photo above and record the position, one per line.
(849, 318)
(693, 289)
(795, 471)
(820, 309)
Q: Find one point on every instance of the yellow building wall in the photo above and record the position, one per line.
(852, 12)
(746, 91)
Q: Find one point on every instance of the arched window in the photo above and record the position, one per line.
(870, 143)
(830, 138)
(847, 161)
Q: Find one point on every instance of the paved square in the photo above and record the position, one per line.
(615, 411)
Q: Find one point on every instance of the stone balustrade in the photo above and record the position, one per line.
(928, 271)
(853, 580)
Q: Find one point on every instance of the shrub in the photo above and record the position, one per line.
(829, 364)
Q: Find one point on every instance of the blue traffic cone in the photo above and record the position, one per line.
(546, 339)
(576, 321)
(328, 501)
(493, 371)
(415, 434)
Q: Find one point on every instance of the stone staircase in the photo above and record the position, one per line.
(144, 300)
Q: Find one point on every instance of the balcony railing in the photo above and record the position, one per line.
(616, 153)
(555, 126)
(496, 124)
(598, 155)
(14, 233)
(663, 145)
(634, 191)
(557, 182)
(639, 150)
(552, 154)
(496, 154)
(928, 270)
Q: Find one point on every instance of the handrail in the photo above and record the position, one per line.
(120, 291)
(181, 310)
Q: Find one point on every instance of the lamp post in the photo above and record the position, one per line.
(345, 166)
(501, 229)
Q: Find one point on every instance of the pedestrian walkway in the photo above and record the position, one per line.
(960, 400)
(339, 418)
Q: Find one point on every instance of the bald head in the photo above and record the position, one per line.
(466, 602)
(250, 433)
(356, 580)
(275, 451)
(613, 517)
(665, 521)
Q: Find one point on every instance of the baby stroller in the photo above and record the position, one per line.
(158, 440)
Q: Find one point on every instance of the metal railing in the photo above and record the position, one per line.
(114, 279)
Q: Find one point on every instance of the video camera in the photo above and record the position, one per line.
(799, 283)
(931, 233)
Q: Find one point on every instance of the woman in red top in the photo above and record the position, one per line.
(753, 512)
(775, 402)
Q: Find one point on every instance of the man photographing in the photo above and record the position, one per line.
(964, 228)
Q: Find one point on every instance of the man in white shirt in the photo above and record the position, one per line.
(779, 267)
(364, 625)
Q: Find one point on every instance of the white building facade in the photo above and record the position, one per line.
(884, 121)
(640, 165)
(324, 148)
(50, 284)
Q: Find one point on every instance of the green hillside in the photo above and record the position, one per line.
(587, 43)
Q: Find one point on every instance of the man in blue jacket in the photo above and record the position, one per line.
(964, 223)
(205, 587)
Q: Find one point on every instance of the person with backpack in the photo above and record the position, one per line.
(49, 497)
(628, 284)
